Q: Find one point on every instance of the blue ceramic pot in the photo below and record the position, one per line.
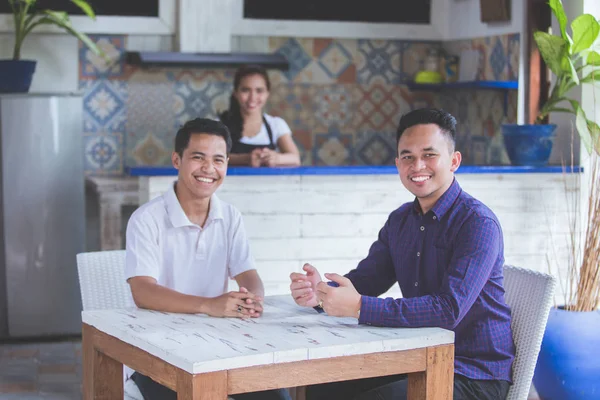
(529, 145)
(568, 366)
(16, 75)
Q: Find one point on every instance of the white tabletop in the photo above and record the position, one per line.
(285, 333)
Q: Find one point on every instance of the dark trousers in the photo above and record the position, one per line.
(395, 388)
(152, 390)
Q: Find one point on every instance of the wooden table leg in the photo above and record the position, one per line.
(437, 382)
(102, 376)
(209, 386)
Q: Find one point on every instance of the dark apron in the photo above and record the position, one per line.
(243, 148)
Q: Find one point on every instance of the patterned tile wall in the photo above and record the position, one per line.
(342, 99)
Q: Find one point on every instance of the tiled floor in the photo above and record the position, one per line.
(49, 371)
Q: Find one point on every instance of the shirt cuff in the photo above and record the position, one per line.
(370, 310)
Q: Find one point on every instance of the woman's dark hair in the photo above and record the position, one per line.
(201, 125)
(441, 118)
(233, 116)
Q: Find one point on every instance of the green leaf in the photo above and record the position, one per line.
(559, 13)
(573, 72)
(561, 109)
(593, 76)
(581, 122)
(593, 58)
(585, 31)
(595, 134)
(553, 50)
(61, 19)
(85, 7)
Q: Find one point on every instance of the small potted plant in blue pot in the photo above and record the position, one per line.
(570, 59)
(16, 74)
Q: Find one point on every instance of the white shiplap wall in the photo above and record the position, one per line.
(331, 220)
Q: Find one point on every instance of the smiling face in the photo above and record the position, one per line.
(202, 167)
(252, 94)
(426, 163)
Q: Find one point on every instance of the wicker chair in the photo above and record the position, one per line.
(103, 287)
(102, 284)
(530, 296)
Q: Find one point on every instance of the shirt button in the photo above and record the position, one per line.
(418, 254)
(416, 284)
(422, 228)
(434, 217)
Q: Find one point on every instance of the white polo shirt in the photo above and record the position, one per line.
(162, 243)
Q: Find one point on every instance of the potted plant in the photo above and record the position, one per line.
(568, 364)
(574, 61)
(16, 74)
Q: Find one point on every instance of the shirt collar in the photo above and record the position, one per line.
(178, 217)
(444, 202)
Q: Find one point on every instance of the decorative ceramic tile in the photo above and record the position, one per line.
(375, 148)
(303, 140)
(198, 98)
(208, 75)
(463, 144)
(479, 150)
(512, 107)
(336, 58)
(513, 55)
(103, 153)
(379, 61)
(92, 66)
(334, 106)
(299, 56)
(151, 151)
(497, 59)
(417, 99)
(104, 105)
(294, 103)
(378, 107)
(333, 148)
(490, 111)
(497, 152)
(150, 108)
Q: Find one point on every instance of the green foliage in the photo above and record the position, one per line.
(574, 60)
(26, 20)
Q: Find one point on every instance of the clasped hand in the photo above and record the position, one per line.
(309, 290)
(264, 156)
(242, 304)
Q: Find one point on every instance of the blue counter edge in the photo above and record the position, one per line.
(354, 170)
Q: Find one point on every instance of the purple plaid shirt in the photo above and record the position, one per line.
(449, 265)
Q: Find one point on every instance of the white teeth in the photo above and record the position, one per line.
(420, 178)
(206, 180)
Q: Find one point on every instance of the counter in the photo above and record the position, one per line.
(330, 216)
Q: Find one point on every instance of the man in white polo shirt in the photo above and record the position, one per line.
(184, 246)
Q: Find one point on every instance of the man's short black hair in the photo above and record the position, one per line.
(421, 116)
(201, 125)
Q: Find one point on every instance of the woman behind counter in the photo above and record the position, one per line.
(258, 139)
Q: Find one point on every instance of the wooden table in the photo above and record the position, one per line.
(207, 358)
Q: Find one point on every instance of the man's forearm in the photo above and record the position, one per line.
(153, 296)
(256, 287)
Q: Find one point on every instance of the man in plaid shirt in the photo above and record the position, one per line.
(445, 249)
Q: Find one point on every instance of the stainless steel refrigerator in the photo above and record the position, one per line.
(42, 221)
